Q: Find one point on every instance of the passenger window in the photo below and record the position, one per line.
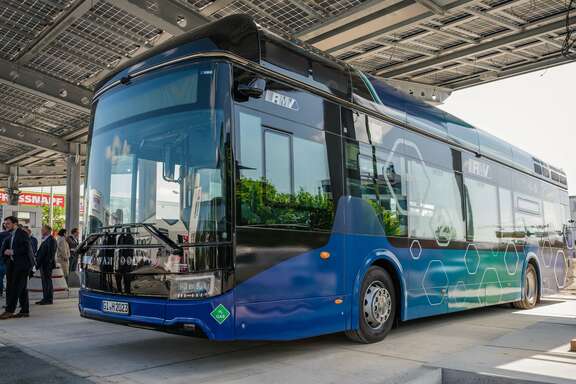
(284, 180)
(434, 204)
(277, 149)
(483, 211)
(378, 178)
(528, 217)
(310, 167)
(251, 146)
(506, 213)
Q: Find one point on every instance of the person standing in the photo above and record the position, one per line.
(18, 257)
(73, 241)
(63, 253)
(3, 236)
(45, 262)
(33, 240)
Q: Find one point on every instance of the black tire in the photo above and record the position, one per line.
(530, 291)
(377, 307)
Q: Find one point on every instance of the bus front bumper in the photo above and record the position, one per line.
(213, 318)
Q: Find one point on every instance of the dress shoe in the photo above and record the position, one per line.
(6, 316)
(22, 314)
(41, 302)
(44, 303)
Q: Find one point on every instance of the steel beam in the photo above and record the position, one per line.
(45, 86)
(472, 80)
(73, 188)
(168, 16)
(451, 34)
(33, 137)
(332, 23)
(35, 171)
(477, 49)
(498, 20)
(40, 182)
(71, 14)
(214, 7)
(432, 6)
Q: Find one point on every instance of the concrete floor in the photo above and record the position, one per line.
(500, 341)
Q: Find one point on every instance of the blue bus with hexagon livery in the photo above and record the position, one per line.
(244, 186)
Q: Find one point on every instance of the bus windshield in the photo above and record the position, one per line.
(156, 155)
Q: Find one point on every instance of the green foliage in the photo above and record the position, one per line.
(59, 219)
(389, 219)
(262, 204)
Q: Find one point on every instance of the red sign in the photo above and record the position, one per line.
(35, 199)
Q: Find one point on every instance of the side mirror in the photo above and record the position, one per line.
(254, 89)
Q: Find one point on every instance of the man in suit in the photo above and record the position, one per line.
(45, 262)
(17, 253)
(3, 236)
(73, 241)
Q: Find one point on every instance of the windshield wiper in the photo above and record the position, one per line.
(88, 243)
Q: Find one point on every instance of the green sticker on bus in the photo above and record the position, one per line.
(220, 314)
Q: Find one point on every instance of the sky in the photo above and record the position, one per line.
(536, 112)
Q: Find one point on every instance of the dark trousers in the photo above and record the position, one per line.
(2, 273)
(47, 287)
(17, 290)
(73, 262)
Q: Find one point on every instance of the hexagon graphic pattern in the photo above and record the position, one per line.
(440, 226)
(462, 297)
(491, 285)
(435, 282)
(511, 259)
(415, 249)
(560, 269)
(546, 253)
(472, 259)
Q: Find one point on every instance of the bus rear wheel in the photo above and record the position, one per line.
(377, 307)
(529, 289)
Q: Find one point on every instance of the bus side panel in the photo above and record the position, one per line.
(291, 319)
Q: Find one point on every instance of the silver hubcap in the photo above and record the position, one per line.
(531, 290)
(377, 305)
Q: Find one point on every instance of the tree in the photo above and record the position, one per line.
(59, 219)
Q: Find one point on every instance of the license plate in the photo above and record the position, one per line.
(116, 307)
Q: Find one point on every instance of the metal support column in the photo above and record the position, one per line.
(73, 188)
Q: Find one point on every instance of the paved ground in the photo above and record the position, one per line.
(498, 340)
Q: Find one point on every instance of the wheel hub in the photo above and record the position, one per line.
(377, 305)
(531, 289)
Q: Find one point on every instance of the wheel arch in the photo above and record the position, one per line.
(532, 258)
(390, 263)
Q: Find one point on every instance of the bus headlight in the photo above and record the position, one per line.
(195, 286)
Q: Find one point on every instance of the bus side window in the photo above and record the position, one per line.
(434, 204)
(377, 177)
(483, 211)
(284, 179)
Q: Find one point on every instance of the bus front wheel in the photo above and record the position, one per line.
(529, 289)
(377, 307)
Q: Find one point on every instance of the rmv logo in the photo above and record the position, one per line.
(478, 168)
(282, 100)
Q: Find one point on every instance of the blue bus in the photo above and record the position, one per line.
(244, 186)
